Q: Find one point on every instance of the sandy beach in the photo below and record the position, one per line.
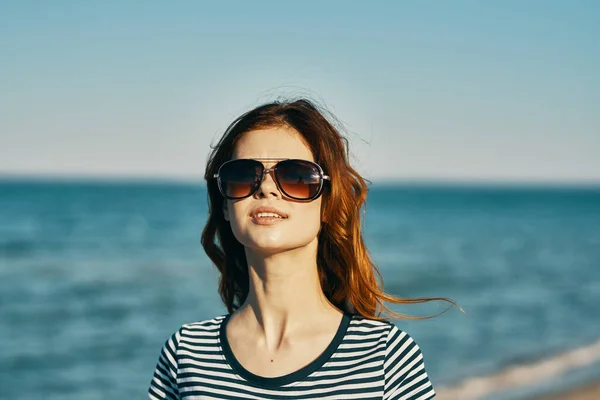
(590, 391)
(545, 370)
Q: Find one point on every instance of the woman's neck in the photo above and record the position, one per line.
(285, 294)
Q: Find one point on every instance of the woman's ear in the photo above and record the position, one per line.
(225, 211)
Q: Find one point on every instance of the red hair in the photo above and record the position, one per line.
(349, 278)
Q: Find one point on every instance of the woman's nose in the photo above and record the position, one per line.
(268, 186)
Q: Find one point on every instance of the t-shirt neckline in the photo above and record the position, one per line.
(291, 377)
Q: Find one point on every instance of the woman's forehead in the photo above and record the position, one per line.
(272, 143)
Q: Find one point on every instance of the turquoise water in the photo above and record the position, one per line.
(95, 276)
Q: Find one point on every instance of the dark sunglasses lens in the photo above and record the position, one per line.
(239, 178)
(299, 179)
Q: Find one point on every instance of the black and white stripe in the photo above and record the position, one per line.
(367, 359)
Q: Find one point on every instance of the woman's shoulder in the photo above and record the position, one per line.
(202, 330)
(365, 324)
(381, 328)
(208, 325)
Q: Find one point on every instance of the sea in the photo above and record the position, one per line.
(95, 275)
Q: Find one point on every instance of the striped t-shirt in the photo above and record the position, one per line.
(366, 359)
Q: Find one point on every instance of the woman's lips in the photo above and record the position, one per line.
(267, 215)
(267, 219)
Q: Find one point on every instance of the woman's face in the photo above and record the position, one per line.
(302, 220)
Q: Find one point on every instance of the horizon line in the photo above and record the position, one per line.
(401, 181)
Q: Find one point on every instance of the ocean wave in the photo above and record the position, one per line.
(17, 248)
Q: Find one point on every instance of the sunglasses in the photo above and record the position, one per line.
(297, 179)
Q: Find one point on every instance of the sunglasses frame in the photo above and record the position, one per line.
(273, 172)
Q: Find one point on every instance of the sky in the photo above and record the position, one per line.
(426, 90)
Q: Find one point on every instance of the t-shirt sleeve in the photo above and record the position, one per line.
(164, 382)
(405, 375)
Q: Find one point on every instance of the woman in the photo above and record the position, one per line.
(300, 287)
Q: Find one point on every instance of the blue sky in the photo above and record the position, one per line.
(444, 90)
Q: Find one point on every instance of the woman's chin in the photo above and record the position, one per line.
(269, 248)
